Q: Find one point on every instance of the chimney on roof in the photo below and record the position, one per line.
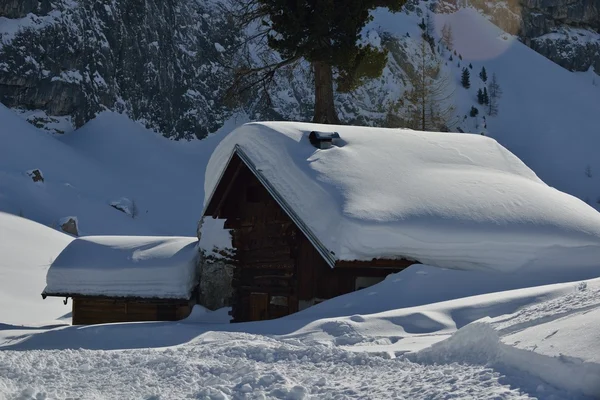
(323, 140)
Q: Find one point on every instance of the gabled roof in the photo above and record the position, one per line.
(451, 200)
(122, 266)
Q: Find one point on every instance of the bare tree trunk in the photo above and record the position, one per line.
(324, 106)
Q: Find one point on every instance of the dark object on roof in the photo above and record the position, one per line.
(323, 140)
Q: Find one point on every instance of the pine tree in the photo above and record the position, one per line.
(451, 59)
(495, 92)
(470, 66)
(460, 56)
(483, 74)
(474, 112)
(480, 98)
(485, 98)
(319, 33)
(466, 78)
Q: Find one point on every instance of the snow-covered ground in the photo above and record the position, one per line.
(430, 346)
(26, 251)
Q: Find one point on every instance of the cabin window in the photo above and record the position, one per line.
(363, 282)
(253, 194)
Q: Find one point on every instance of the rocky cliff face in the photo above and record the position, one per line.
(160, 61)
(565, 31)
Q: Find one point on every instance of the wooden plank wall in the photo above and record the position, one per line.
(264, 239)
(99, 310)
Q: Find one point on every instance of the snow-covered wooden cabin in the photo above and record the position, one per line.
(123, 279)
(318, 211)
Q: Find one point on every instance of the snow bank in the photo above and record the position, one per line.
(479, 343)
(449, 200)
(152, 267)
(26, 251)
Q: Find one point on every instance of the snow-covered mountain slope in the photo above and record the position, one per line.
(547, 115)
(109, 159)
(26, 251)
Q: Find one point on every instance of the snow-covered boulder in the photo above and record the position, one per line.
(444, 199)
(126, 206)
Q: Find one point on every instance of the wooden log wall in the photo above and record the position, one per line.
(100, 310)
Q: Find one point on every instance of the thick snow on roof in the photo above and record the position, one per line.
(449, 200)
(143, 266)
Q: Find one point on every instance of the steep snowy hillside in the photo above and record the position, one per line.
(26, 251)
(110, 161)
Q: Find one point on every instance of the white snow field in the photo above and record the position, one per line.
(108, 159)
(446, 199)
(460, 347)
(132, 266)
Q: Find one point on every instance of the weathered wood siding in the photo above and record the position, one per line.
(265, 242)
(100, 310)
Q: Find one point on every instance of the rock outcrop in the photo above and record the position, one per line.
(159, 61)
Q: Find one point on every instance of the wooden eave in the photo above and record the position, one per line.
(135, 298)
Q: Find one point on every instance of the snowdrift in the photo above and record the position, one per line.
(26, 251)
(448, 200)
(149, 267)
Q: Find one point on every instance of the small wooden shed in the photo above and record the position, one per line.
(126, 279)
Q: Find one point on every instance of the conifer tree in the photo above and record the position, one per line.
(474, 112)
(470, 66)
(466, 78)
(483, 74)
(480, 96)
(495, 92)
(486, 97)
(325, 33)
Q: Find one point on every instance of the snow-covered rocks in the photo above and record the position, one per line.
(126, 206)
(448, 200)
(69, 225)
(144, 267)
